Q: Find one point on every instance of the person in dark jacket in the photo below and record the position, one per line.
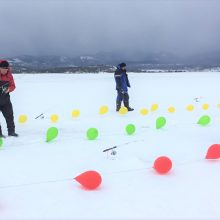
(7, 86)
(122, 84)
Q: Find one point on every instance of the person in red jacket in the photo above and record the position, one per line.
(7, 85)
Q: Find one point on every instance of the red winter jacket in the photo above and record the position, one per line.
(9, 78)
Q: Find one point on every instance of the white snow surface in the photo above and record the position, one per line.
(36, 178)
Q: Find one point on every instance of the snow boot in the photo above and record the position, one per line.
(126, 104)
(118, 106)
(12, 134)
(130, 109)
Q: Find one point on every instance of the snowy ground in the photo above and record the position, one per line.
(36, 178)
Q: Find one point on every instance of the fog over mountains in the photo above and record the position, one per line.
(81, 33)
(106, 62)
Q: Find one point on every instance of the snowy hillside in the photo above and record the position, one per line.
(37, 178)
(104, 62)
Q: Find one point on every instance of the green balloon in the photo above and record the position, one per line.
(1, 142)
(130, 129)
(204, 120)
(160, 122)
(52, 133)
(92, 133)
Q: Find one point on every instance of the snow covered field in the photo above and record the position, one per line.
(36, 178)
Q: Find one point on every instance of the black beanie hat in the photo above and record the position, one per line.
(123, 65)
(4, 64)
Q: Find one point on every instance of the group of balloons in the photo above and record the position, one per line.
(54, 117)
(123, 110)
(91, 134)
(154, 107)
(75, 114)
(160, 122)
(130, 129)
(91, 180)
(203, 121)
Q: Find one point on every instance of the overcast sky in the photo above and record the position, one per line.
(76, 27)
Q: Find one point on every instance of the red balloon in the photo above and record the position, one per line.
(213, 152)
(90, 180)
(162, 165)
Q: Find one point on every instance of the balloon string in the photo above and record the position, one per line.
(35, 183)
(109, 173)
(27, 144)
(128, 171)
(191, 162)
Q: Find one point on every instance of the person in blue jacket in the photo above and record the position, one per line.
(122, 84)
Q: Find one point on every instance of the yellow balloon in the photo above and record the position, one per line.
(171, 109)
(154, 107)
(143, 111)
(75, 113)
(205, 106)
(190, 108)
(103, 110)
(22, 119)
(123, 111)
(218, 105)
(54, 118)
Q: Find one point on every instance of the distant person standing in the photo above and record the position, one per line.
(122, 84)
(7, 86)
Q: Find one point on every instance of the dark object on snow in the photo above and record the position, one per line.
(7, 111)
(121, 79)
(119, 146)
(41, 116)
(122, 84)
(13, 134)
(114, 152)
(7, 86)
(108, 149)
(110, 152)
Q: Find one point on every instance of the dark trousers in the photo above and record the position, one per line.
(7, 111)
(122, 97)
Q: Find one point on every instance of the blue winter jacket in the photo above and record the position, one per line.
(121, 79)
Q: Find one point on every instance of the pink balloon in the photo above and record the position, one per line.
(213, 152)
(90, 179)
(163, 165)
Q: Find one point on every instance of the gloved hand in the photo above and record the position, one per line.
(5, 90)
